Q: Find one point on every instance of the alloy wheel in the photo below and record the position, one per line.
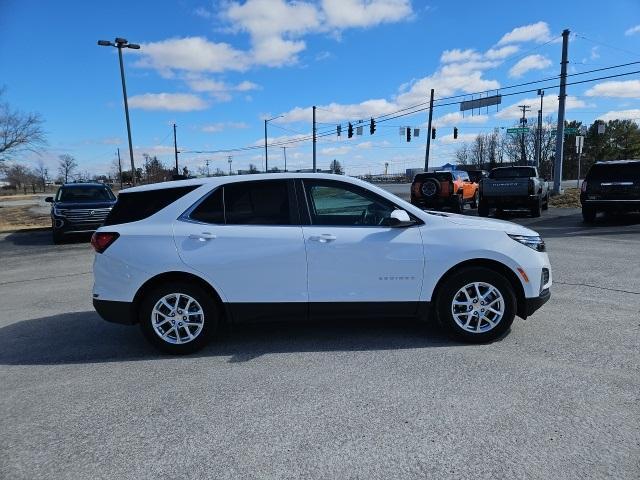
(478, 307)
(177, 318)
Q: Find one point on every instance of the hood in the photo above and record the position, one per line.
(490, 224)
(78, 205)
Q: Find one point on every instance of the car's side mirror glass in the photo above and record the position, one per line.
(400, 218)
(49, 199)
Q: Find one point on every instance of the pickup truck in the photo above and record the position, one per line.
(513, 187)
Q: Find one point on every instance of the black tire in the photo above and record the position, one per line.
(536, 209)
(545, 205)
(430, 188)
(57, 237)
(475, 201)
(457, 204)
(589, 214)
(455, 283)
(211, 316)
(483, 208)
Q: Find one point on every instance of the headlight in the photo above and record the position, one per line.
(531, 241)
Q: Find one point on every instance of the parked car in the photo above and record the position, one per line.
(180, 258)
(513, 187)
(79, 207)
(477, 175)
(446, 188)
(610, 186)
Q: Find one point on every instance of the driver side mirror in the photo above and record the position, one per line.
(400, 218)
(49, 199)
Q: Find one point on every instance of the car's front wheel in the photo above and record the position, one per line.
(476, 305)
(178, 318)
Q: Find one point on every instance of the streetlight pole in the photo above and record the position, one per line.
(284, 150)
(121, 43)
(266, 151)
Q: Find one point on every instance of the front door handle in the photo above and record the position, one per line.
(202, 237)
(324, 238)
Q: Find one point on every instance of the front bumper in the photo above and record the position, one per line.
(531, 305)
(115, 312)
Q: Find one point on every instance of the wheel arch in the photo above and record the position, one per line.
(177, 276)
(498, 267)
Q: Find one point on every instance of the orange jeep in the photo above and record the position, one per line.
(445, 188)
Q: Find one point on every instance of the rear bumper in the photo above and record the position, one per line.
(604, 204)
(527, 201)
(115, 312)
(533, 304)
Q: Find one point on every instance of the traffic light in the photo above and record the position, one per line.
(433, 133)
(339, 130)
(350, 130)
(455, 132)
(372, 127)
(408, 134)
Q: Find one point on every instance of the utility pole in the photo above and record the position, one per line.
(557, 170)
(284, 150)
(539, 133)
(426, 153)
(206, 162)
(266, 151)
(120, 168)
(314, 139)
(230, 159)
(175, 148)
(523, 122)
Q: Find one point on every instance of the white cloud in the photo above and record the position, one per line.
(528, 63)
(454, 118)
(550, 104)
(502, 52)
(182, 102)
(221, 126)
(618, 89)
(335, 150)
(632, 31)
(633, 114)
(193, 54)
(203, 13)
(457, 55)
(221, 91)
(364, 13)
(536, 32)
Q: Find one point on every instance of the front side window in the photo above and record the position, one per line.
(337, 204)
(257, 203)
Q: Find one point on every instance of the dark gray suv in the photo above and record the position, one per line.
(79, 207)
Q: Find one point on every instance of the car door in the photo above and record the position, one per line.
(357, 265)
(245, 238)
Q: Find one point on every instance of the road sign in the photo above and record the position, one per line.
(571, 130)
(518, 130)
(579, 144)
(480, 102)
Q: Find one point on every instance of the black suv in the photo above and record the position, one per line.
(79, 207)
(610, 186)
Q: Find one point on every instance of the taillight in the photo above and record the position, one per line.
(583, 188)
(100, 241)
(415, 189)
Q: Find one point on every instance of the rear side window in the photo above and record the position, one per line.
(135, 206)
(211, 209)
(257, 203)
(517, 172)
(440, 176)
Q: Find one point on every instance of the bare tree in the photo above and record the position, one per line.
(463, 155)
(19, 131)
(42, 173)
(66, 166)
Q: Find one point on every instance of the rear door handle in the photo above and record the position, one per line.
(324, 238)
(202, 237)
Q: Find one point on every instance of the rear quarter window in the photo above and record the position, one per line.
(135, 206)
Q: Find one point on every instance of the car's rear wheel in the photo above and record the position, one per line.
(545, 205)
(476, 305)
(56, 236)
(536, 209)
(178, 318)
(458, 203)
(589, 214)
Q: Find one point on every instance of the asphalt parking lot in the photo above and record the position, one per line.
(559, 397)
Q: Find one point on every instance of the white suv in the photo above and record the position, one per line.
(181, 257)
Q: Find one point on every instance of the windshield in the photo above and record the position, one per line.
(516, 172)
(85, 194)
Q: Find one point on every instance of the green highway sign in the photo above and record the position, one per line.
(567, 131)
(518, 130)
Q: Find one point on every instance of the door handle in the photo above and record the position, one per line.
(324, 238)
(202, 237)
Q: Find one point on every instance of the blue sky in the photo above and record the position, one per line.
(217, 69)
